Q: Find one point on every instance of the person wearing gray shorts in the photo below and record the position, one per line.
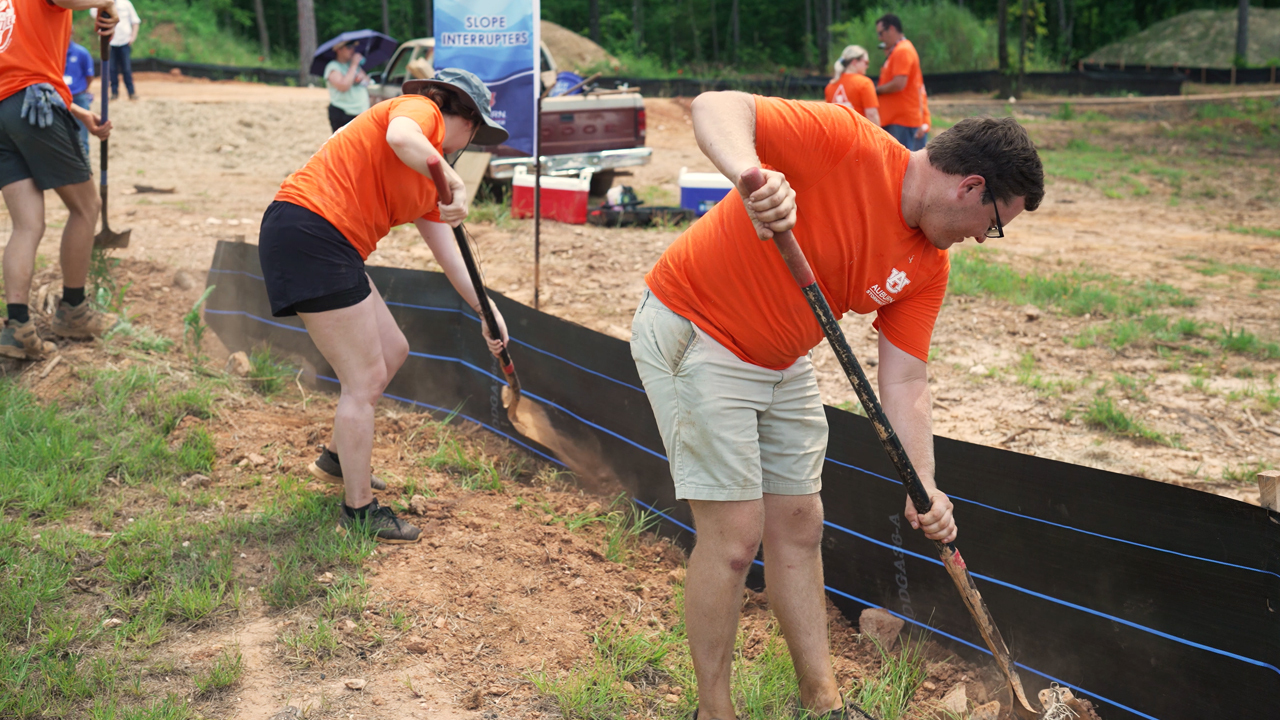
(40, 150)
(722, 337)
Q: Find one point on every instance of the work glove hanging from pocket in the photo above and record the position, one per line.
(38, 104)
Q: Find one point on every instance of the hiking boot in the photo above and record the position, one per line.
(81, 321)
(328, 469)
(386, 527)
(21, 341)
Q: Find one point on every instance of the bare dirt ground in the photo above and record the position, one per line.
(480, 620)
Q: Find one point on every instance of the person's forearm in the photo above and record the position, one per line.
(83, 4)
(80, 113)
(724, 124)
(873, 114)
(444, 247)
(410, 145)
(907, 402)
(893, 86)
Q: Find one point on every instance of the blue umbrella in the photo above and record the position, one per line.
(374, 46)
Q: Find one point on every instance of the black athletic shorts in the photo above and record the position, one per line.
(51, 156)
(307, 263)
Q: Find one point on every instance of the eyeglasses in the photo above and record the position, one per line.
(997, 229)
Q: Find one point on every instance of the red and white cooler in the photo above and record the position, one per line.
(563, 198)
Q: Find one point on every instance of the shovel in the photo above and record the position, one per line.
(752, 180)
(107, 239)
(510, 394)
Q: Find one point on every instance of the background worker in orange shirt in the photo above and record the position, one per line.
(40, 150)
(900, 84)
(371, 175)
(851, 87)
(722, 336)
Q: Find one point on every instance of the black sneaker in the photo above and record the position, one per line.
(328, 469)
(386, 526)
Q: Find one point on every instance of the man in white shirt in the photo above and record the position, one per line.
(122, 47)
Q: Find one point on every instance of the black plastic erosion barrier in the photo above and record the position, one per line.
(1152, 600)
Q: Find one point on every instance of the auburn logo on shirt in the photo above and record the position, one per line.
(841, 97)
(894, 284)
(8, 18)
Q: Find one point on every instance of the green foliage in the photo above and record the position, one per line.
(1076, 292)
(268, 375)
(107, 294)
(624, 524)
(194, 327)
(1105, 415)
(948, 37)
(225, 672)
(887, 694)
(1250, 230)
(157, 572)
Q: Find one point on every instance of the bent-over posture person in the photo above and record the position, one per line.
(722, 336)
(370, 176)
(40, 149)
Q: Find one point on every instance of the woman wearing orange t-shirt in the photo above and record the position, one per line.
(851, 87)
(370, 176)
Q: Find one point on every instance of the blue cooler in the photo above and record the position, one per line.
(700, 192)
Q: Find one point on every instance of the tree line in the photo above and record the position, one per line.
(751, 36)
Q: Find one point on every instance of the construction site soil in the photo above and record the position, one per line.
(495, 592)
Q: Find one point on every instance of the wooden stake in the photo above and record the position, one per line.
(1269, 489)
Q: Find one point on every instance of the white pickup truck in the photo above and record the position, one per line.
(601, 130)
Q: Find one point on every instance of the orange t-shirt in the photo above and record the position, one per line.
(358, 183)
(847, 174)
(34, 35)
(925, 117)
(853, 90)
(902, 107)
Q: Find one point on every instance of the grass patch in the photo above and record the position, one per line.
(153, 575)
(1103, 414)
(1250, 230)
(267, 374)
(225, 672)
(1266, 278)
(633, 669)
(492, 207)
(1075, 292)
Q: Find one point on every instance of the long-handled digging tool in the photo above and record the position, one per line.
(107, 239)
(753, 179)
(511, 393)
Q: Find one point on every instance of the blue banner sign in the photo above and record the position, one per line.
(498, 40)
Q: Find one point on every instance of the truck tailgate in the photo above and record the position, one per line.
(572, 125)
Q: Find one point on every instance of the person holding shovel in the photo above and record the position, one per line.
(40, 150)
(722, 336)
(368, 177)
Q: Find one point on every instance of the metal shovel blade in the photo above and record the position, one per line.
(107, 239)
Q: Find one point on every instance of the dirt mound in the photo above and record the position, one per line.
(574, 52)
(1200, 38)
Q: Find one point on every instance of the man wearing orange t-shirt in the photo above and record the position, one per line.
(851, 87)
(900, 84)
(722, 336)
(40, 150)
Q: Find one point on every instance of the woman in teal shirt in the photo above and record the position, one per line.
(348, 92)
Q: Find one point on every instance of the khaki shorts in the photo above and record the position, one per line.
(732, 430)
